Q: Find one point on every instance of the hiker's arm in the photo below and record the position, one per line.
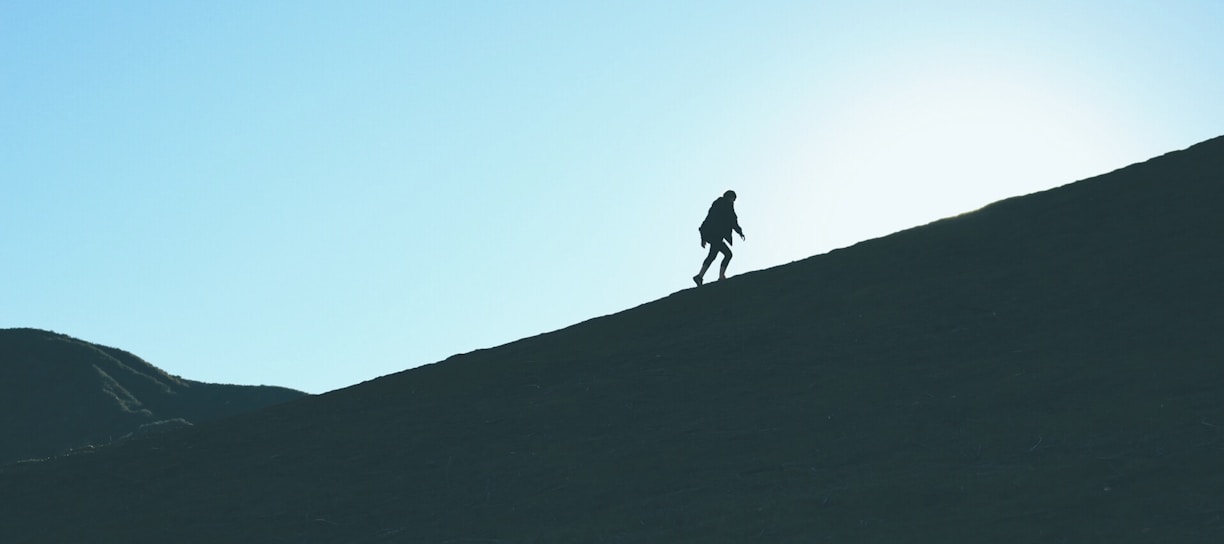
(735, 224)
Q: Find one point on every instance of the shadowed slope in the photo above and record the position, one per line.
(1046, 369)
(62, 393)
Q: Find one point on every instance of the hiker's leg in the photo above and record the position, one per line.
(705, 265)
(722, 267)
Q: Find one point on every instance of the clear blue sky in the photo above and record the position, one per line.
(314, 194)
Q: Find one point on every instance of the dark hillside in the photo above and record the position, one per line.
(60, 393)
(1046, 369)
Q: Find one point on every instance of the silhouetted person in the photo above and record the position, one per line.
(716, 228)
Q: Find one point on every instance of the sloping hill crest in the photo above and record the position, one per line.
(1046, 369)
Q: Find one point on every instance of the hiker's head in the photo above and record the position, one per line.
(729, 195)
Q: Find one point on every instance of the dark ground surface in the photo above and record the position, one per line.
(58, 393)
(1047, 369)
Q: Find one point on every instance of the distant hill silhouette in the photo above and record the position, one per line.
(60, 393)
(1046, 369)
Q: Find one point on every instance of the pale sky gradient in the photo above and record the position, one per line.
(314, 194)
